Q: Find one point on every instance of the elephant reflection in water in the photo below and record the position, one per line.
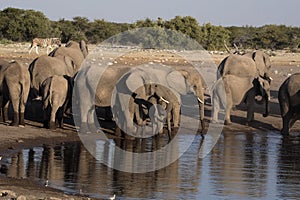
(17, 167)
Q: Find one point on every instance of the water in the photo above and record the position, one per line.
(240, 166)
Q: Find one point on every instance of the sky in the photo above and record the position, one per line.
(217, 12)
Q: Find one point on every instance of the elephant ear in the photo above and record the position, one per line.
(267, 61)
(177, 81)
(83, 48)
(70, 64)
(134, 81)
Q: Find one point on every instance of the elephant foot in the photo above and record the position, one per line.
(14, 124)
(22, 120)
(83, 128)
(45, 124)
(265, 115)
(52, 125)
(284, 132)
(214, 121)
(227, 122)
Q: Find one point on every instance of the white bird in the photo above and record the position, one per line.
(46, 183)
(113, 197)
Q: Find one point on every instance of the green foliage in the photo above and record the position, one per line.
(24, 25)
(213, 37)
(154, 38)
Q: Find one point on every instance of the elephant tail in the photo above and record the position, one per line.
(220, 71)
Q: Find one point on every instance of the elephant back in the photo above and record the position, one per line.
(74, 50)
(239, 65)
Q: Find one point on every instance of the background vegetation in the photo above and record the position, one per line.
(23, 25)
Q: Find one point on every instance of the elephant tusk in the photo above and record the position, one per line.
(270, 78)
(200, 100)
(39, 98)
(164, 100)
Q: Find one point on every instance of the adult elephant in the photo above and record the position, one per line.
(76, 51)
(45, 66)
(135, 83)
(14, 88)
(232, 90)
(91, 91)
(56, 94)
(289, 100)
(254, 64)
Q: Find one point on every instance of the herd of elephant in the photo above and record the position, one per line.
(133, 93)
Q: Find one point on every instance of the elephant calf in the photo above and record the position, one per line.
(14, 88)
(232, 90)
(289, 100)
(56, 93)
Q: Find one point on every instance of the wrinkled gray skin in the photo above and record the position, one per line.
(289, 100)
(14, 88)
(168, 100)
(253, 64)
(232, 90)
(157, 114)
(55, 96)
(87, 82)
(76, 51)
(45, 66)
(175, 80)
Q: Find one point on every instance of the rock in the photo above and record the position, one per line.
(21, 197)
(8, 193)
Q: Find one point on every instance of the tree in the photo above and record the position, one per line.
(23, 25)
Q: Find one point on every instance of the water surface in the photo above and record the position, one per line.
(240, 166)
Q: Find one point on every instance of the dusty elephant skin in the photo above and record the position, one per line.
(289, 100)
(55, 97)
(14, 88)
(256, 63)
(232, 90)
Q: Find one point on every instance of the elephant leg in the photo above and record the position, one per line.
(176, 114)
(250, 112)
(169, 116)
(60, 117)
(21, 114)
(227, 111)
(15, 105)
(52, 124)
(21, 119)
(46, 114)
(286, 122)
(4, 110)
(215, 109)
(293, 119)
(201, 106)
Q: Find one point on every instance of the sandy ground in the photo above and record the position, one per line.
(14, 138)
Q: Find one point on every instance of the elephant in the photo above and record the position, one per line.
(168, 100)
(14, 88)
(177, 81)
(76, 51)
(289, 100)
(90, 91)
(232, 90)
(255, 64)
(45, 66)
(56, 94)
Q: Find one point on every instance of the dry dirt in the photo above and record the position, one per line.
(15, 138)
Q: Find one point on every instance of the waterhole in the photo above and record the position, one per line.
(240, 166)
